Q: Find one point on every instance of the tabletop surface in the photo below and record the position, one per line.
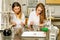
(16, 37)
(12, 37)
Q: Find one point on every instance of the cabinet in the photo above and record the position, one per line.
(52, 1)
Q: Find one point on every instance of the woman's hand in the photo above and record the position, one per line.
(22, 24)
(31, 23)
(13, 23)
(41, 25)
(31, 29)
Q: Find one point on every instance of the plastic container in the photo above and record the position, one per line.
(44, 29)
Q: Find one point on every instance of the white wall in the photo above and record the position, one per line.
(0, 12)
(55, 8)
(0, 5)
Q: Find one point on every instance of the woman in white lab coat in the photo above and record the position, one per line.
(18, 18)
(37, 17)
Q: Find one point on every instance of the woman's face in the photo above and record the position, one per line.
(16, 9)
(39, 10)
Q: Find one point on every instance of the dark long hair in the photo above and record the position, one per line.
(42, 15)
(17, 4)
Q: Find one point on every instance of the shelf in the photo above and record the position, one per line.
(55, 19)
(53, 2)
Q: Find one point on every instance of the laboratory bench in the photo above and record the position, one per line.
(27, 35)
(11, 37)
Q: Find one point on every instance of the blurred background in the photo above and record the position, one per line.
(52, 6)
(29, 6)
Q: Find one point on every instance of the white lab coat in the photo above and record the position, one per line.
(33, 18)
(17, 21)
